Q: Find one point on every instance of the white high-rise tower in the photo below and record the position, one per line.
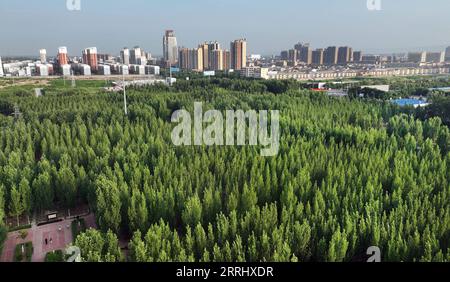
(170, 48)
(43, 55)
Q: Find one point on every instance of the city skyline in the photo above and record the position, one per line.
(351, 25)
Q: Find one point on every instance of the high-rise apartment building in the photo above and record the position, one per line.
(184, 58)
(90, 58)
(43, 56)
(435, 57)
(292, 56)
(198, 59)
(63, 58)
(298, 49)
(205, 51)
(357, 56)
(217, 60)
(226, 60)
(317, 57)
(306, 54)
(447, 54)
(238, 53)
(331, 55)
(345, 55)
(191, 59)
(170, 48)
(212, 47)
(417, 57)
(125, 56)
(136, 56)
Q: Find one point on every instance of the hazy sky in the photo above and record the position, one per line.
(269, 25)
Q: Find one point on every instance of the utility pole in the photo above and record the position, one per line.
(170, 73)
(73, 80)
(124, 94)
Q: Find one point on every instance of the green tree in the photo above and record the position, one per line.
(137, 212)
(192, 213)
(108, 204)
(16, 207)
(138, 250)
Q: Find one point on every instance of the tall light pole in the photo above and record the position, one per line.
(124, 94)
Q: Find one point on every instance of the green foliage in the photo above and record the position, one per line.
(350, 174)
(77, 227)
(96, 246)
(3, 236)
(108, 204)
(25, 256)
(55, 256)
(440, 107)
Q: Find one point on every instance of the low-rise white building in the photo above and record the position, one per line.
(66, 70)
(137, 69)
(255, 72)
(104, 70)
(82, 69)
(155, 70)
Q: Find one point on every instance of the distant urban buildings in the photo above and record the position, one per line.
(435, 57)
(191, 59)
(426, 57)
(63, 58)
(331, 56)
(447, 54)
(357, 56)
(170, 48)
(317, 57)
(238, 54)
(1, 67)
(417, 57)
(208, 56)
(43, 56)
(255, 72)
(125, 56)
(90, 58)
(345, 55)
(301, 62)
(138, 56)
(306, 54)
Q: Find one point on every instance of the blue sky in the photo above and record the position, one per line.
(269, 26)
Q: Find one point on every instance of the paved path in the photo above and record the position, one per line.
(58, 235)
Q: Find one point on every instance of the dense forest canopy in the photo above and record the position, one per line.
(350, 174)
